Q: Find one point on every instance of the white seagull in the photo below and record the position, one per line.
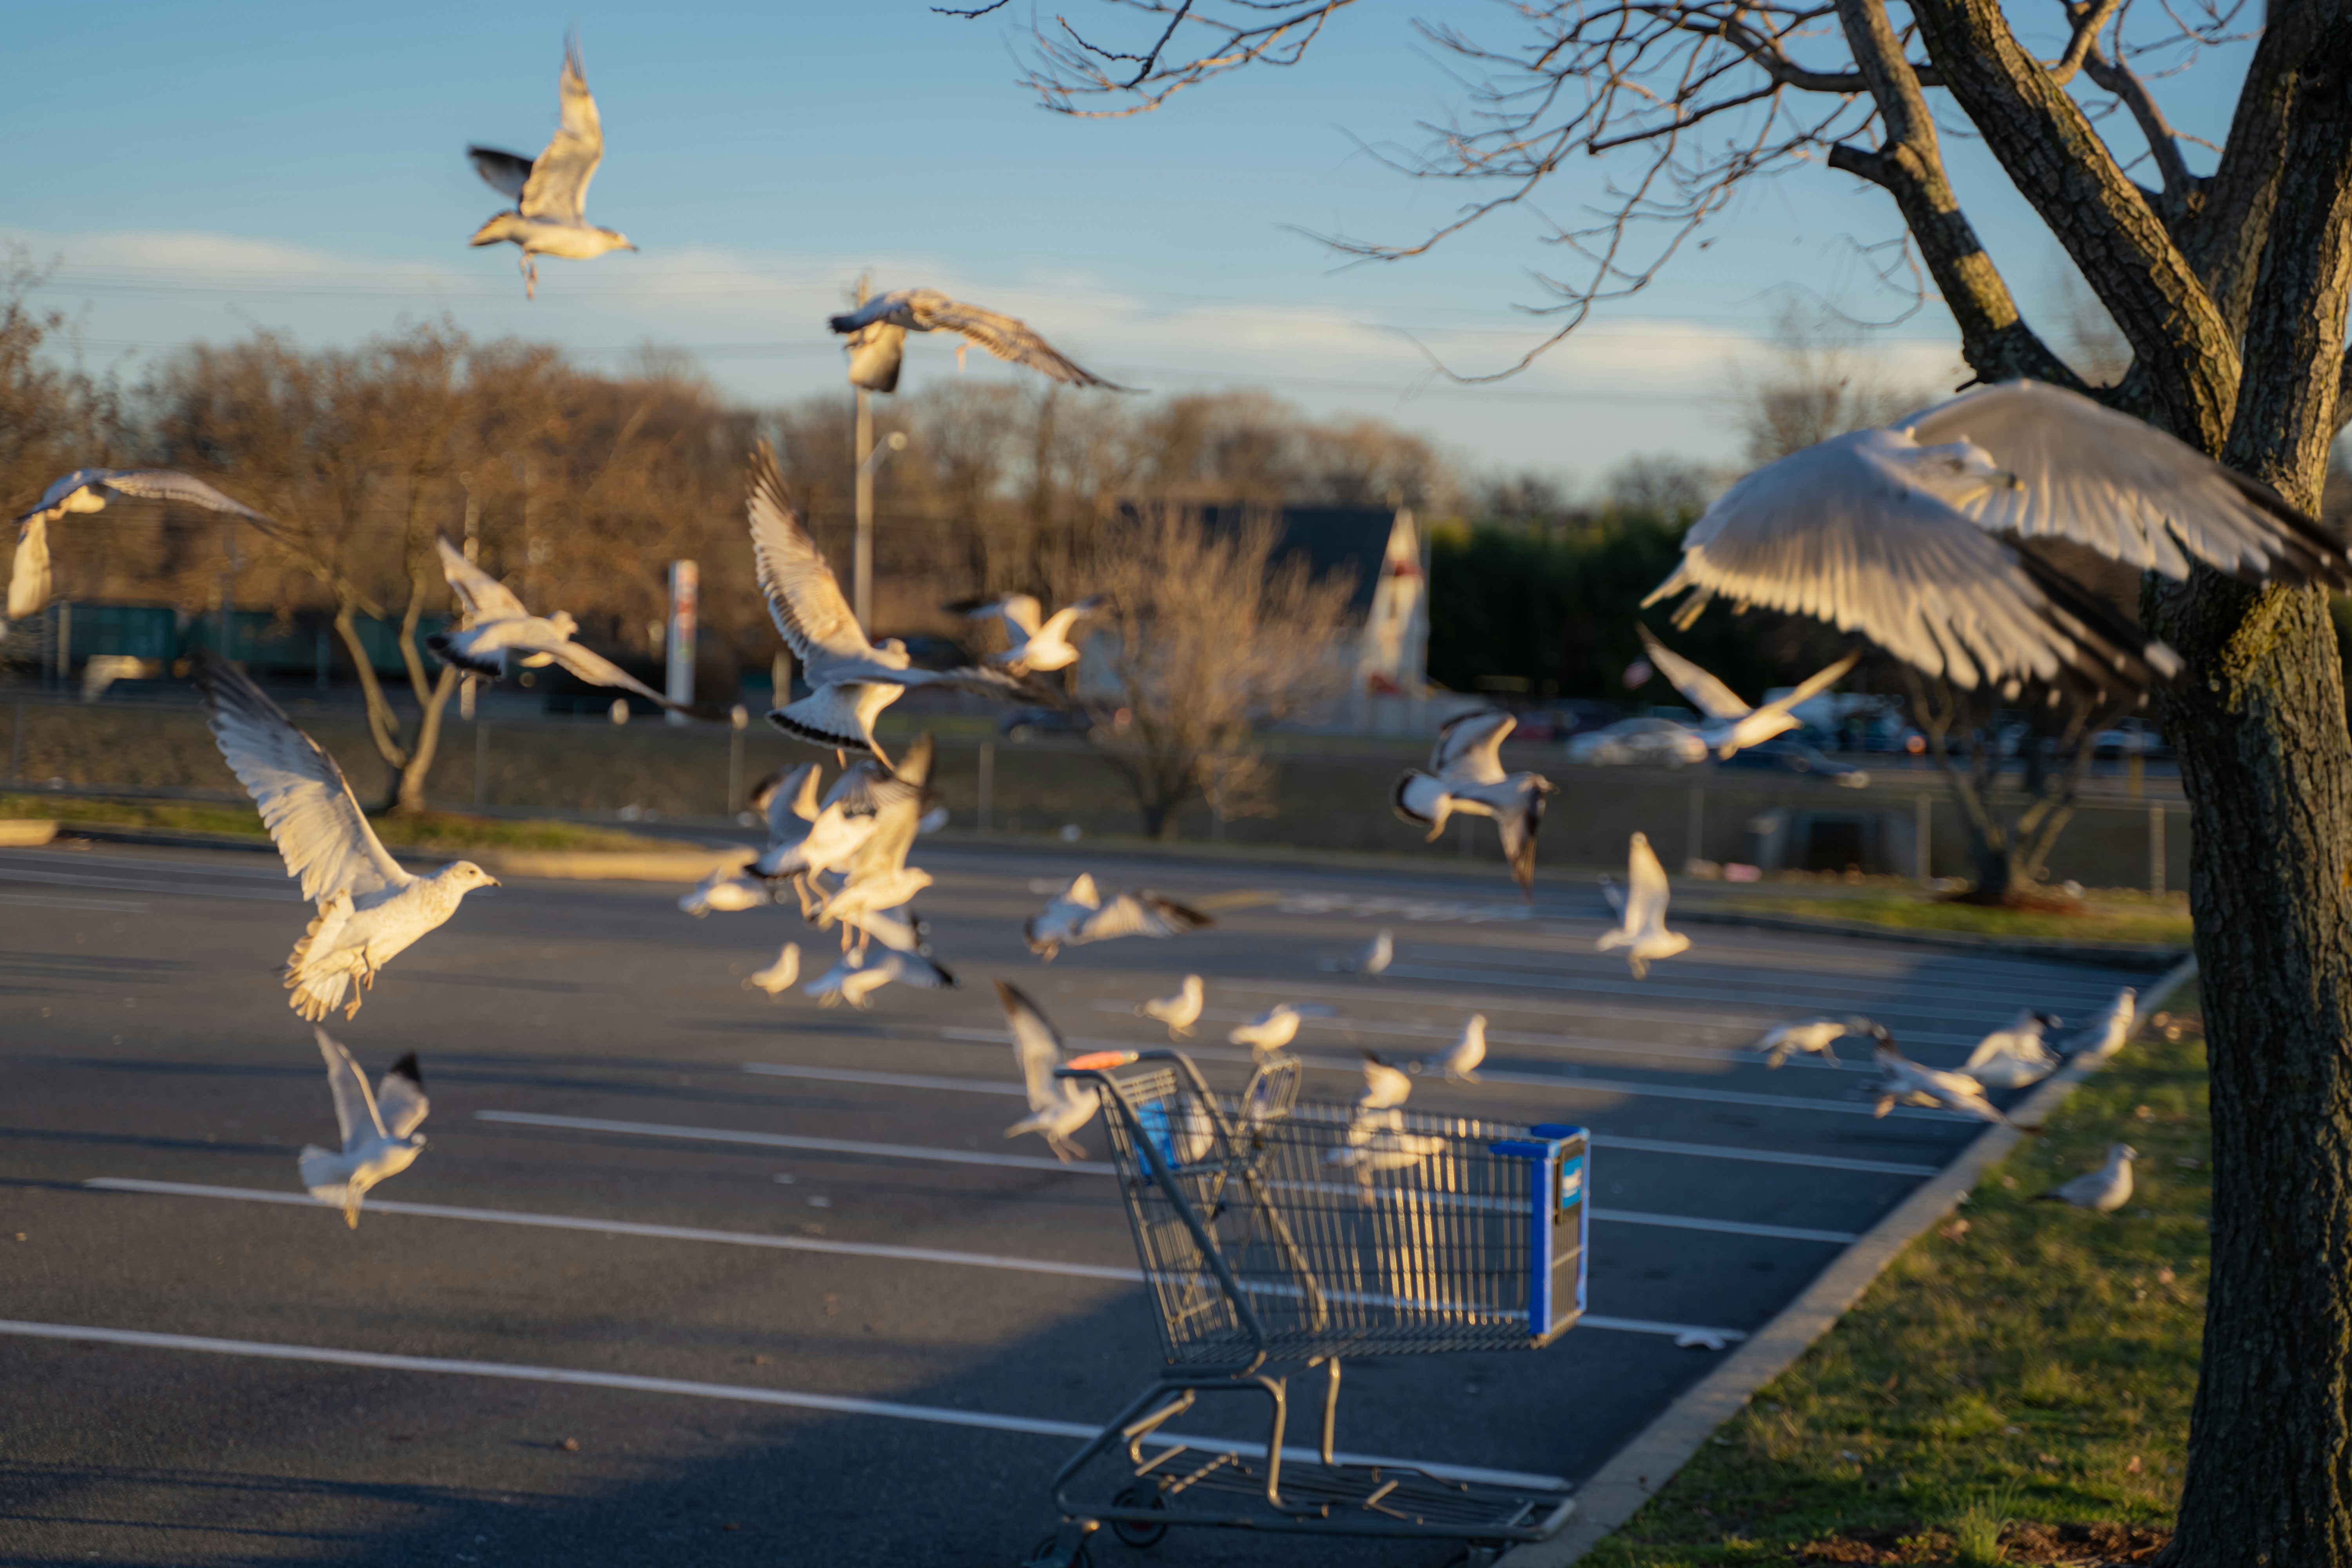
(726, 892)
(1467, 775)
(370, 910)
(1815, 1036)
(1035, 645)
(2106, 1189)
(1385, 1087)
(497, 626)
(778, 977)
(1461, 1061)
(857, 976)
(850, 679)
(1909, 535)
(551, 191)
(1377, 955)
(878, 329)
(878, 881)
(1179, 1012)
(88, 490)
(1905, 1082)
(379, 1131)
(1276, 1027)
(1058, 1107)
(2106, 1034)
(1641, 909)
(2013, 1056)
(1732, 725)
(1079, 914)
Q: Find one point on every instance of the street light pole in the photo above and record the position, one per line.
(870, 458)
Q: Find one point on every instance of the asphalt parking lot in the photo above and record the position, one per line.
(690, 1275)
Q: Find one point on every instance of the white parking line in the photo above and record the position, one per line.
(1598, 1140)
(832, 1402)
(1563, 1081)
(780, 1243)
(263, 869)
(192, 889)
(105, 906)
(1032, 1163)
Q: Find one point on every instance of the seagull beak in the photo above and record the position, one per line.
(492, 882)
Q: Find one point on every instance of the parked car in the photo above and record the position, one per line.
(1789, 754)
(1655, 742)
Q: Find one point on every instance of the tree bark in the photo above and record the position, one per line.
(2268, 769)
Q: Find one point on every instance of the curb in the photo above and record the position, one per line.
(1618, 1489)
(2074, 952)
(17, 833)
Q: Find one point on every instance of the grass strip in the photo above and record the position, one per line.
(432, 830)
(2106, 918)
(2016, 1386)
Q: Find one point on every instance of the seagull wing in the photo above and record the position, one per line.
(1813, 686)
(305, 801)
(1645, 888)
(505, 172)
(169, 485)
(484, 598)
(400, 1099)
(1037, 1044)
(597, 670)
(1469, 749)
(557, 189)
(1833, 533)
(803, 597)
(1713, 698)
(355, 1110)
(1140, 914)
(29, 571)
(1006, 337)
(2099, 477)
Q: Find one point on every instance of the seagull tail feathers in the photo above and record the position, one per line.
(444, 649)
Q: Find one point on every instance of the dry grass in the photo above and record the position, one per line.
(427, 830)
(2107, 917)
(2025, 1367)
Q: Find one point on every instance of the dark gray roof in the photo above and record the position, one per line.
(1333, 539)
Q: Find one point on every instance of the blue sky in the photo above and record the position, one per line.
(198, 171)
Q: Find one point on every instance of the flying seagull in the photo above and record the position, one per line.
(1732, 725)
(1467, 775)
(2013, 1056)
(1179, 1012)
(551, 191)
(370, 910)
(779, 976)
(2106, 1189)
(1461, 1061)
(857, 976)
(2106, 1034)
(1642, 912)
(726, 892)
(1058, 1107)
(1266, 1034)
(1817, 1036)
(1036, 642)
(88, 490)
(850, 679)
(496, 626)
(1079, 914)
(1385, 1087)
(1905, 1082)
(877, 349)
(1377, 955)
(1909, 535)
(379, 1131)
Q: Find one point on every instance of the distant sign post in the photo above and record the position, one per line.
(685, 608)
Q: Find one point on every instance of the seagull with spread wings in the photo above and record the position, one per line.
(1058, 1107)
(370, 910)
(1036, 642)
(1642, 910)
(1080, 914)
(850, 679)
(1920, 536)
(380, 1136)
(1814, 1036)
(2014, 1055)
(878, 332)
(88, 490)
(855, 978)
(1905, 1082)
(1733, 725)
(1466, 775)
(806, 838)
(551, 191)
(496, 626)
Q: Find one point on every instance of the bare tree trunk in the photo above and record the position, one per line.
(410, 795)
(2268, 769)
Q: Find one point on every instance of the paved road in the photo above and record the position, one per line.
(822, 1303)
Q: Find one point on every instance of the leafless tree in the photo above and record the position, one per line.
(2229, 288)
(1818, 380)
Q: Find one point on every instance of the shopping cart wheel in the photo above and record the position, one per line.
(1135, 1532)
(1066, 1547)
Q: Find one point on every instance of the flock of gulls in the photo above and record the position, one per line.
(1919, 538)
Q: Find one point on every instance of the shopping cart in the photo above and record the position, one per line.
(1279, 1237)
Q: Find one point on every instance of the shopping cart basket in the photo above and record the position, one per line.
(1279, 1237)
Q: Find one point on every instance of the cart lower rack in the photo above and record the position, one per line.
(1277, 1238)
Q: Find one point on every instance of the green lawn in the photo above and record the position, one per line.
(429, 830)
(2110, 916)
(2025, 1367)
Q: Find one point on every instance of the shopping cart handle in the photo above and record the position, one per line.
(1095, 1061)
